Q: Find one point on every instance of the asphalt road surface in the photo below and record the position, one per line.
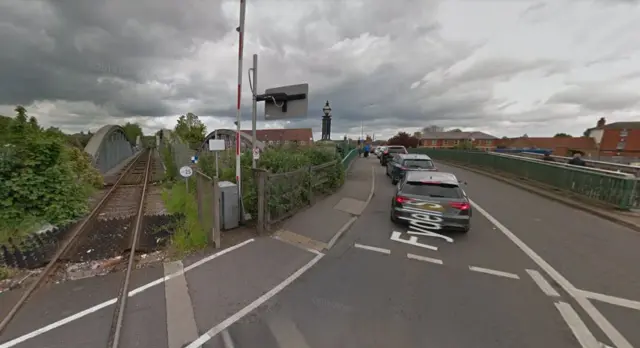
(524, 276)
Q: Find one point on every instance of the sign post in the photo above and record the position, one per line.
(186, 172)
(217, 145)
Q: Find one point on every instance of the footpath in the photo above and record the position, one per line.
(319, 227)
(174, 304)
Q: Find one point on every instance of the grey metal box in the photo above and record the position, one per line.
(229, 205)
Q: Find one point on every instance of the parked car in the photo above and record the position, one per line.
(389, 152)
(379, 150)
(401, 163)
(432, 199)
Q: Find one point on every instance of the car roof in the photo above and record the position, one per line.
(445, 178)
(414, 156)
(395, 146)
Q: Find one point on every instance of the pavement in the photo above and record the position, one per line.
(531, 273)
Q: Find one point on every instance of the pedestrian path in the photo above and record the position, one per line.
(319, 226)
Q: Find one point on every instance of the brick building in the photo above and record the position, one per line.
(452, 139)
(281, 136)
(616, 139)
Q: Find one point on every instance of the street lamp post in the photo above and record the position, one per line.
(326, 122)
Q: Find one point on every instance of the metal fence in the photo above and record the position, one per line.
(281, 195)
(208, 200)
(602, 186)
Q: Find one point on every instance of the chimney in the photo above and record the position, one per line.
(601, 122)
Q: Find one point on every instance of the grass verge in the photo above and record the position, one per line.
(6, 272)
(188, 232)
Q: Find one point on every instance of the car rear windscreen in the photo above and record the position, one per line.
(432, 190)
(396, 150)
(418, 163)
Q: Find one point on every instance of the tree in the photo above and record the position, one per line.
(404, 139)
(42, 179)
(417, 135)
(132, 130)
(562, 135)
(190, 129)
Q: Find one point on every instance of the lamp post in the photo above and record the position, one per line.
(326, 122)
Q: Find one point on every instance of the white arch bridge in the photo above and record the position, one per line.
(108, 147)
(229, 136)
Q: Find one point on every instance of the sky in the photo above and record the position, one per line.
(507, 68)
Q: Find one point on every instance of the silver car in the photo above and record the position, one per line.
(431, 201)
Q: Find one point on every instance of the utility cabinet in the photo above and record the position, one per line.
(229, 205)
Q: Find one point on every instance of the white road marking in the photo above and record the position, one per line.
(424, 258)
(108, 303)
(181, 322)
(614, 335)
(413, 240)
(372, 248)
(227, 341)
(286, 333)
(494, 272)
(253, 305)
(543, 284)
(577, 326)
(618, 301)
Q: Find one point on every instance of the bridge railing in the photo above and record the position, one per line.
(600, 186)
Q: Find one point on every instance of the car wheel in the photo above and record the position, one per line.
(394, 181)
(393, 218)
(466, 229)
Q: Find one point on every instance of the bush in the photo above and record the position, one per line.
(277, 160)
(188, 233)
(42, 179)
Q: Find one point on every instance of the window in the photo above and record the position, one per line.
(397, 149)
(624, 133)
(434, 142)
(432, 190)
(456, 142)
(418, 163)
(620, 145)
(487, 142)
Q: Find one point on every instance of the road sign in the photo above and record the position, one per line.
(216, 144)
(295, 108)
(186, 171)
(194, 159)
(256, 153)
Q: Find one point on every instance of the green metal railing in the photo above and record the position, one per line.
(346, 161)
(616, 189)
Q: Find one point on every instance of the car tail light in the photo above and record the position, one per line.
(403, 168)
(402, 200)
(386, 152)
(460, 205)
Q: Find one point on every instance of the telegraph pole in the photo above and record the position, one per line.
(243, 8)
(254, 109)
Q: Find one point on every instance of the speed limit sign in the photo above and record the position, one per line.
(186, 171)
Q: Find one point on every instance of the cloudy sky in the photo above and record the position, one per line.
(505, 67)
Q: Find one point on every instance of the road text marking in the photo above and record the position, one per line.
(424, 258)
(494, 272)
(413, 240)
(614, 335)
(253, 305)
(372, 248)
(108, 303)
(542, 283)
(577, 326)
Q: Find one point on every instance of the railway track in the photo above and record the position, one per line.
(124, 202)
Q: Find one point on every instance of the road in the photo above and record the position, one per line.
(530, 273)
(520, 278)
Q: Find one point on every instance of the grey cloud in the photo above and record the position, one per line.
(597, 98)
(59, 49)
